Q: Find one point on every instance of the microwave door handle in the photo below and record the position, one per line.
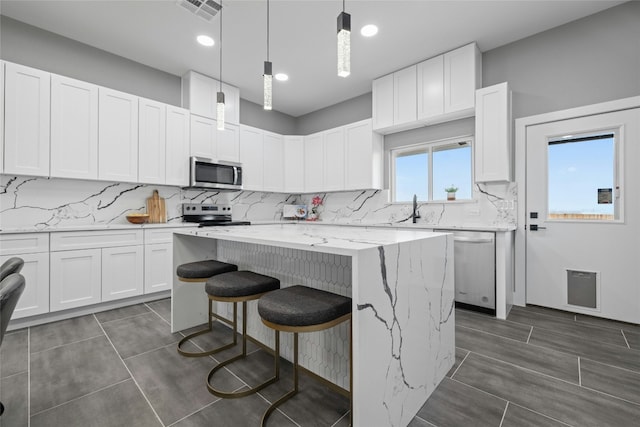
(235, 175)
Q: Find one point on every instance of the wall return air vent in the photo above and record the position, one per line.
(205, 9)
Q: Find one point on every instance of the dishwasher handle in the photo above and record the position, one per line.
(472, 240)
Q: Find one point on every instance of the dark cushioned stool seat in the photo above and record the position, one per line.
(204, 269)
(302, 306)
(240, 284)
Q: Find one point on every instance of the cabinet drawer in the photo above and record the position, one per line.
(24, 243)
(71, 240)
(162, 235)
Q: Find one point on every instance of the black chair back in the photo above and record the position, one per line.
(10, 266)
(10, 290)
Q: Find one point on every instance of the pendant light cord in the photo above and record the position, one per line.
(267, 30)
(221, 45)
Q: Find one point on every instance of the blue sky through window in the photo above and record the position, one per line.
(412, 177)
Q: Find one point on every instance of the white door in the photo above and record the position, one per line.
(229, 143)
(158, 267)
(313, 163)
(273, 166)
(122, 272)
(294, 164)
(177, 154)
(75, 278)
(334, 159)
(583, 215)
(203, 137)
(35, 297)
(251, 157)
(152, 140)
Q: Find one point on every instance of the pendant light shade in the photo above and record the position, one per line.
(344, 44)
(268, 85)
(220, 95)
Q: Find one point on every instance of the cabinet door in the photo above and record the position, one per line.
(152, 141)
(231, 104)
(334, 159)
(122, 272)
(273, 162)
(363, 157)
(75, 279)
(203, 137)
(229, 143)
(35, 297)
(313, 163)
(294, 164)
(177, 148)
(158, 267)
(117, 136)
(404, 96)
(27, 118)
(493, 134)
(1, 116)
(431, 88)
(74, 128)
(201, 94)
(251, 157)
(383, 102)
(461, 78)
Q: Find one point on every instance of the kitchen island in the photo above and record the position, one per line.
(401, 283)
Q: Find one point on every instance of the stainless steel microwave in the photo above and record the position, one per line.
(205, 173)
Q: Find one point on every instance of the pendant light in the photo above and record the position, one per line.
(220, 95)
(267, 77)
(344, 43)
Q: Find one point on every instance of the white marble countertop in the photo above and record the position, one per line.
(313, 237)
(94, 227)
(410, 226)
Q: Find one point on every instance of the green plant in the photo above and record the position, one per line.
(451, 189)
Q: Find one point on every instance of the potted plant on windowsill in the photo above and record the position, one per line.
(451, 192)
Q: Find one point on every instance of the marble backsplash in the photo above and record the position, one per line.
(43, 203)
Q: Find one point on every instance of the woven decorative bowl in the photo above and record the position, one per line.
(138, 218)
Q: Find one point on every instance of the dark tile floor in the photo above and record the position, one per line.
(120, 368)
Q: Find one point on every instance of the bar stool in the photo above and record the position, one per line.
(302, 309)
(235, 287)
(199, 272)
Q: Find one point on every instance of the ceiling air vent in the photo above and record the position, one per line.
(205, 9)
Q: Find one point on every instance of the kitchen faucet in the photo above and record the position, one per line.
(415, 215)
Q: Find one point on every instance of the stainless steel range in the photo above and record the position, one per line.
(209, 215)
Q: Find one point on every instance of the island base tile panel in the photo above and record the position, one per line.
(325, 353)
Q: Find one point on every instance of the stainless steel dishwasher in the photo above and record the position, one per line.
(475, 269)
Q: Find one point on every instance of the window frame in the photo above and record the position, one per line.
(428, 147)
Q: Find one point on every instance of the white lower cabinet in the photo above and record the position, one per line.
(158, 267)
(122, 272)
(75, 278)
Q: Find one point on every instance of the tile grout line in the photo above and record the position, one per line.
(529, 337)
(465, 358)
(158, 314)
(339, 419)
(579, 373)
(504, 414)
(130, 373)
(625, 338)
(611, 395)
(541, 414)
(195, 412)
(422, 419)
(69, 343)
(122, 318)
(82, 397)
(491, 333)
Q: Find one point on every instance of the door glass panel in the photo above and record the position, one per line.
(582, 178)
(412, 172)
(452, 168)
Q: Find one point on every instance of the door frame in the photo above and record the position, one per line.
(521, 125)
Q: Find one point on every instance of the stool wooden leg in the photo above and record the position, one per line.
(242, 355)
(291, 393)
(209, 329)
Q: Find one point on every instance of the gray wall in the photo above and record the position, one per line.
(34, 47)
(349, 111)
(254, 115)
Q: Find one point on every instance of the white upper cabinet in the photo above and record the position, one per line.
(204, 137)
(199, 96)
(493, 134)
(383, 102)
(436, 90)
(229, 143)
(431, 88)
(462, 76)
(314, 163)
(294, 164)
(27, 119)
(152, 140)
(1, 116)
(74, 128)
(177, 149)
(273, 165)
(117, 136)
(363, 157)
(404, 96)
(334, 159)
(252, 158)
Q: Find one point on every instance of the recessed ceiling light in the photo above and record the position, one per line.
(369, 30)
(282, 77)
(205, 40)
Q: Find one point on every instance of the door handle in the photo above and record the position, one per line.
(536, 227)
